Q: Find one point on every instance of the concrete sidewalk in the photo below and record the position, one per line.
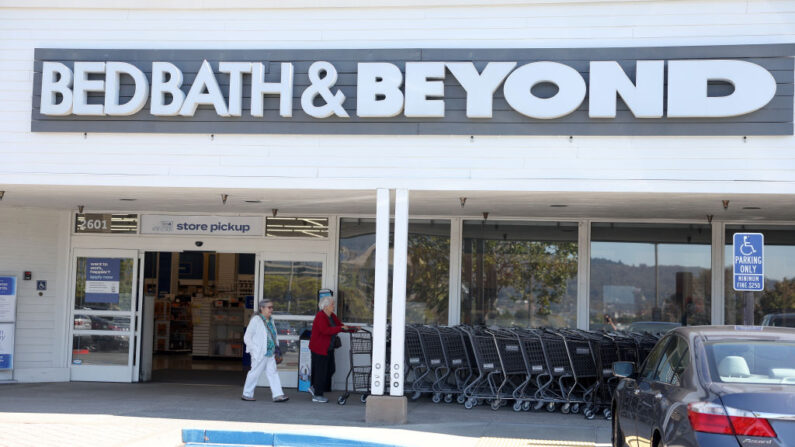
(153, 414)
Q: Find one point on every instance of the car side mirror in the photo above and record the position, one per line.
(623, 369)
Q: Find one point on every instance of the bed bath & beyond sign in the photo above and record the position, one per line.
(65, 90)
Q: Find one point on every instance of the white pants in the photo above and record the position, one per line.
(267, 365)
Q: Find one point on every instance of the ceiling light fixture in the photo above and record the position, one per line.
(558, 206)
(2, 193)
(223, 198)
(751, 208)
(253, 201)
(80, 208)
(463, 201)
(128, 200)
(275, 211)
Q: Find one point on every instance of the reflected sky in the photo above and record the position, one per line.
(777, 258)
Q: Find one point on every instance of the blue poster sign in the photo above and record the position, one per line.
(8, 298)
(8, 285)
(748, 256)
(102, 280)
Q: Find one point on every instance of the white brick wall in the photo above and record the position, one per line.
(36, 240)
(659, 164)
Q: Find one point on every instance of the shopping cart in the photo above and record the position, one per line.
(361, 354)
(452, 382)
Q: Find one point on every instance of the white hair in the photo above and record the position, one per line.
(325, 301)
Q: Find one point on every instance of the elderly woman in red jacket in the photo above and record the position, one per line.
(325, 327)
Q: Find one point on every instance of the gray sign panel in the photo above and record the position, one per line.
(775, 118)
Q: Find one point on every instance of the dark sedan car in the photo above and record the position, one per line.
(710, 386)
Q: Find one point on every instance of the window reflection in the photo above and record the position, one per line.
(100, 350)
(519, 274)
(774, 306)
(292, 286)
(646, 273)
(427, 276)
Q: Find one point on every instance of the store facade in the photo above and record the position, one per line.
(161, 182)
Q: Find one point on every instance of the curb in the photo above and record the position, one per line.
(193, 437)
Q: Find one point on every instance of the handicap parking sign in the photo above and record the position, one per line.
(748, 259)
(41, 285)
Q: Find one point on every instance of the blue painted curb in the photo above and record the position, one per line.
(193, 437)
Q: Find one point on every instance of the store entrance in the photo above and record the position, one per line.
(198, 304)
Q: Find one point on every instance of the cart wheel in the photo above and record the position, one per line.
(461, 399)
(538, 405)
(496, 404)
(469, 404)
(575, 408)
(607, 413)
(416, 395)
(363, 398)
(341, 400)
(517, 406)
(526, 406)
(551, 407)
(448, 398)
(589, 414)
(437, 397)
(565, 408)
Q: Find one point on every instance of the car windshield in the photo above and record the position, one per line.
(752, 361)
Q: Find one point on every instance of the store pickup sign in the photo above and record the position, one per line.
(202, 225)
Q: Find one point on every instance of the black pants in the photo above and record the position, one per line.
(322, 370)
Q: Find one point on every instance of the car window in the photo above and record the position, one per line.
(650, 365)
(752, 361)
(674, 361)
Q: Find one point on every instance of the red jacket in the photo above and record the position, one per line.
(322, 331)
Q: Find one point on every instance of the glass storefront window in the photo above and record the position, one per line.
(108, 289)
(519, 273)
(774, 306)
(646, 275)
(292, 286)
(427, 280)
(100, 349)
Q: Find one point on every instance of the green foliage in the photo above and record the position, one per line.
(533, 272)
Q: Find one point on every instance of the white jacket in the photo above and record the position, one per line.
(256, 338)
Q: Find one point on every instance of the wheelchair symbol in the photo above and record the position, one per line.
(747, 249)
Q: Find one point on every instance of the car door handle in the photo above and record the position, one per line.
(658, 396)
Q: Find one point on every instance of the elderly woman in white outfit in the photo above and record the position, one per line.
(261, 343)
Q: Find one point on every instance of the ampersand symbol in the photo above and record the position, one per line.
(321, 86)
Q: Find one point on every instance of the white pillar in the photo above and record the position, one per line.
(380, 293)
(456, 252)
(399, 290)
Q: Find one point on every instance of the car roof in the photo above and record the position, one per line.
(738, 331)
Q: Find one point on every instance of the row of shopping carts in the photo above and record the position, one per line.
(565, 369)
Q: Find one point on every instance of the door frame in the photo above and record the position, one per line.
(106, 373)
(289, 379)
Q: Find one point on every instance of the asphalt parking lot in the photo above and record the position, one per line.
(153, 414)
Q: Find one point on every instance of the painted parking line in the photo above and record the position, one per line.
(514, 442)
